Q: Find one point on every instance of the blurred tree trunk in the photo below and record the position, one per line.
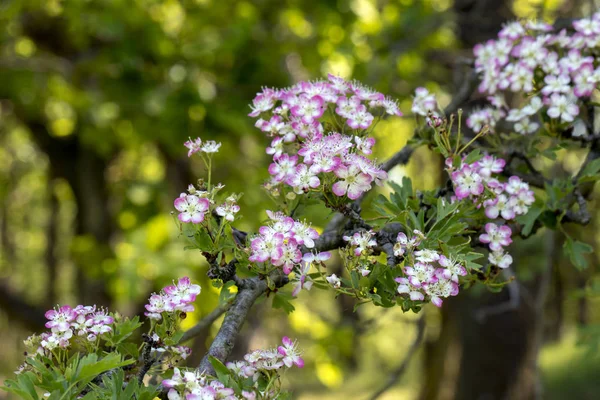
(84, 170)
(488, 344)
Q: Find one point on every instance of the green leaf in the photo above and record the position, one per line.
(220, 369)
(473, 156)
(281, 300)
(91, 368)
(529, 219)
(591, 169)
(226, 295)
(123, 330)
(576, 251)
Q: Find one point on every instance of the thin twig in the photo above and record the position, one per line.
(205, 322)
(398, 372)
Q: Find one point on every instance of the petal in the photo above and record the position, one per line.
(339, 188)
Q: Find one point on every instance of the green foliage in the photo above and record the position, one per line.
(576, 251)
(67, 383)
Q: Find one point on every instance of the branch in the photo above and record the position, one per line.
(32, 317)
(205, 322)
(222, 346)
(514, 299)
(464, 92)
(400, 158)
(398, 372)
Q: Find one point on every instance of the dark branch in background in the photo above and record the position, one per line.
(514, 299)
(205, 322)
(464, 93)
(398, 372)
(400, 158)
(32, 317)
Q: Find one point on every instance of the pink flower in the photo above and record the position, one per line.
(354, 182)
(184, 290)
(500, 258)
(228, 209)
(262, 102)
(308, 108)
(405, 287)
(59, 320)
(502, 205)
(191, 208)
(362, 242)
(496, 236)
(452, 269)
(440, 289)
(290, 353)
(364, 145)
(194, 146)
(467, 182)
(283, 167)
(360, 119)
(420, 274)
(303, 280)
(303, 179)
(346, 107)
(490, 164)
(562, 107)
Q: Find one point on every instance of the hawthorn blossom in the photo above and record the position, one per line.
(420, 273)
(525, 126)
(501, 205)
(423, 102)
(440, 289)
(405, 287)
(303, 280)
(303, 179)
(353, 183)
(228, 209)
(467, 182)
(500, 259)
(496, 236)
(360, 119)
(194, 146)
(210, 146)
(362, 242)
(59, 320)
(290, 353)
(334, 281)
(173, 298)
(452, 268)
(191, 208)
(490, 164)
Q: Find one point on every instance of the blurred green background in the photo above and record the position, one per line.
(96, 99)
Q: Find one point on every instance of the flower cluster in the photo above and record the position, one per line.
(503, 200)
(194, 385)
(197, 146)
(228, 209)
(362, 242)
(552, 71)
(280, 242)
(432, 274)
(497, 237)
(424, 102)
(173, 298)
(295, 118)
(302, 278)
(66, 323)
